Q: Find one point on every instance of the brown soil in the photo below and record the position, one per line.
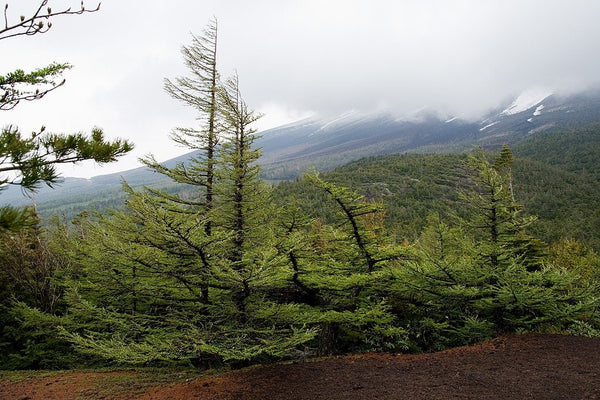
(515, 367)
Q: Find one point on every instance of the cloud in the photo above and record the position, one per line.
(460, 57)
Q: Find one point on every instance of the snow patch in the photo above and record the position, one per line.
(450, 120)
(527, 100)
(487, 126)
(530, 120)
(350, 115)
(538, 110)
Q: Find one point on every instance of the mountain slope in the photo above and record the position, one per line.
(324, 144)
(327, 143)
(412, 186)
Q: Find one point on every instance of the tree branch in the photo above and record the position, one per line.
(39, 22)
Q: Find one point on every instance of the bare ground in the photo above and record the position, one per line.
(515, 367)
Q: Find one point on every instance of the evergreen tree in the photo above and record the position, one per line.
(340, 273)
(498, 218)
(190, 278)
(488, 277)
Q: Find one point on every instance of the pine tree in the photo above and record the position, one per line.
(29, 161)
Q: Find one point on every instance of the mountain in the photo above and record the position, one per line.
(290, 149)
(327, 143)
(556, 178)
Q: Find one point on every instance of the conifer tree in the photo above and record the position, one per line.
(499, 219)
(198, 91)
(340, 273)
(487, 276)
(190, 279)
(242, 198)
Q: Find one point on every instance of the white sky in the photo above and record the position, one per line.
(296, 58)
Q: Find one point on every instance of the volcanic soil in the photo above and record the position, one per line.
(513, 367)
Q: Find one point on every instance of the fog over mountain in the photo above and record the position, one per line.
(295, 59)
(325, 143)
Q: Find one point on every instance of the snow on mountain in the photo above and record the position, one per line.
(488, 126)
(348, 117)
(538, 110)
(528, 99)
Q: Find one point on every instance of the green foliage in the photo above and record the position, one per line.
(414, 185)
(488, 276)
(189, 279)
(573, 150)
(339, 273)
(34, 158)
(29, 340)
(20, 85)
(33, 264)
(31, 161)
(261, 283)
(149, 285)
(232, 270)
(12, 218)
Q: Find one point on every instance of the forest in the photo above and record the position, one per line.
(235, 270)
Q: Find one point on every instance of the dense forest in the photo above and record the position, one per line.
(394, 253)
(555, 175)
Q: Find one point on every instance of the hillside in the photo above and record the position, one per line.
(326, 143)
(564, 194)
(557, 178)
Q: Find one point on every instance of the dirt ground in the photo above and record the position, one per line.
(515, 367)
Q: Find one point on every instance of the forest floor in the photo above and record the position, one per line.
(513, 367)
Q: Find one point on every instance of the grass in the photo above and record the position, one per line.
(108, 384)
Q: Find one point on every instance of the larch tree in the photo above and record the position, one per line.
(198, 90)
(498, 218)
(339, 273)
(191, 275)
(487, 276)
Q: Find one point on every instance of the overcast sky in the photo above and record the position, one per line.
(299, 58)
